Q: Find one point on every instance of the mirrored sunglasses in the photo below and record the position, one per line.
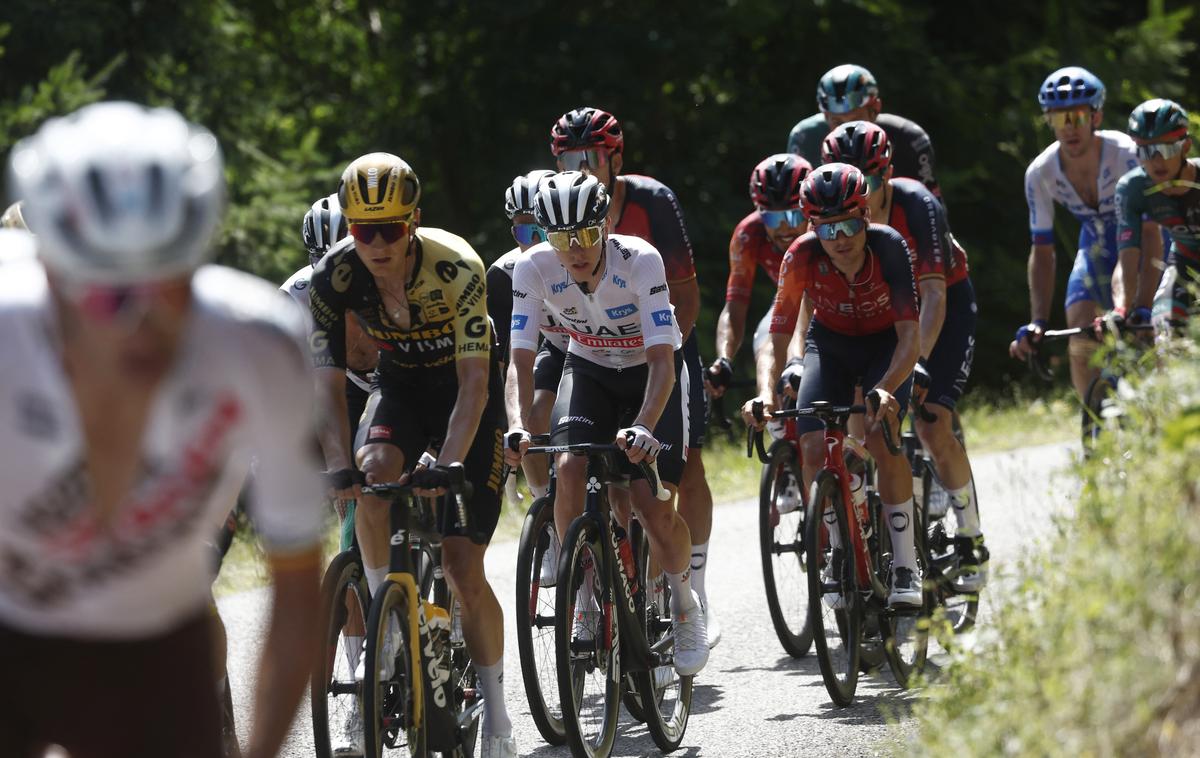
(585, 237)
(794, 217)
(1071, 117)
(528, 234)
(390, 232)
(574, 160)
(846, 227)
(1167, 150)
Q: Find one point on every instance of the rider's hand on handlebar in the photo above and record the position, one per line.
(344, 486)
(789, 381)
(888, 410)
(516, 442)
(718, 376)
(921, 382)
(638, 443)
(768, 407)
(1027, 338)
(430, 482)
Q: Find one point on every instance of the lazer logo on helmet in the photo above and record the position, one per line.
(661, 318)
(621, 311)
(373, 208)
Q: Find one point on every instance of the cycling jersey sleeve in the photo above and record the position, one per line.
(741, 266)
(287, 515)
(793, 281)
(499, 304)
(528, 294)
(1041, 206)
(670, 236)
(472, 329)
(658, 323)
(1130, 208)
(927, 223)
(896, 268)
(328, 340)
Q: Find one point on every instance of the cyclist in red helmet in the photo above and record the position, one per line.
(859, 280)
(947, 322)
(759, 240)
(591, 140)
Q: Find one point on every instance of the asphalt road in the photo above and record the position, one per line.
(752, 699)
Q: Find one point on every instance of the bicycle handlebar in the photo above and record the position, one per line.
(649, 469)
(822, 410)
(1040, 367)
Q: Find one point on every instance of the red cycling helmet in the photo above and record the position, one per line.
(861, 144)
(585, 128)
(775, 182)
(833, 190)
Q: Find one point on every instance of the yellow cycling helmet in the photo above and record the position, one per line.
(378, 188)
(12, 218)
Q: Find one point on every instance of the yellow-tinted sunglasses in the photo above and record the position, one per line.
(585, 237)
(1070, 117)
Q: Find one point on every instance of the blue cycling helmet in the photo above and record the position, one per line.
(1070, 87)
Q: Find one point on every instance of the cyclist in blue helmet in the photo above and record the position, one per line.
(850, 93)
(1079, 171)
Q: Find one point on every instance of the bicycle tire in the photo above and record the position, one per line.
(389, 705)
(536, 611)
(960, 609)
(906, 635)
(575, 662)
(839, 663)
(780, 538)
(343, 575)
(664, 697)
(462, 673)
(631, 696)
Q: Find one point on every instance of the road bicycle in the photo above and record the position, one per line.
(848, 585)
(419, 693)
(623, 635)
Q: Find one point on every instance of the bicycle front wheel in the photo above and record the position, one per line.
(335, 694)
(958, 609)
(586, 644)
(665, 697)
(836, 609)
(535, 622)
(781, 543)
(906, 633)
(390, 704)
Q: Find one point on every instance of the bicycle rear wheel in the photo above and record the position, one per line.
(906, 633)
(587, 652)
(781, 543)
(664, 696)
(334, 692)
(535, 623)
(959, 609)
(389, 702)
(836, 621)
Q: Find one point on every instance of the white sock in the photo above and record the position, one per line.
(681, 592)
(375, 577)
(699, 564)
(353, 648)
(830, 518)
(539, 492)
(899, 520)
(966, 510)
(495, 715)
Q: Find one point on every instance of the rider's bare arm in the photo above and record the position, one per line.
(770, 364)
(334, 429)
(796, 346)
(933, 312)
(1041, 281)
(731, 328)
(518, 390)
(660, 380)
(685, 296)
(904, 358)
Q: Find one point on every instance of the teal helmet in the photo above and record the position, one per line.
(846, 87)
(1155, 119)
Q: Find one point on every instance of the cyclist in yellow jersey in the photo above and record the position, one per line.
(421, 295)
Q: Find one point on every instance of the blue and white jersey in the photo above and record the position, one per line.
(629, 311)
(1046, 184)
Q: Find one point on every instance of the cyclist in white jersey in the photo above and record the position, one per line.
(137, 389)
(622, 378)
(1078, 171)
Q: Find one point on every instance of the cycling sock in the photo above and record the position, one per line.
(353, 648)
(682, 599)
(699, 564)
(899, 519)
(375, 577)
(496, 722)
(966, 510)
(539, 492)
(830, 518)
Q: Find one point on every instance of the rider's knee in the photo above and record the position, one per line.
(571, 469)
(464, 574)
(812, 448)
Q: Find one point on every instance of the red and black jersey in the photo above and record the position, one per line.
(750, 248)
(880, 294)
(920, 218)
(652, 212)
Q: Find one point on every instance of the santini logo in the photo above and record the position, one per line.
(621, 311)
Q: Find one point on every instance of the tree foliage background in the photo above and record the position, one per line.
(467, 92)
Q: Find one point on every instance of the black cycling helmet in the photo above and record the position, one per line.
(570, 200)
(775, 181)
(832, 190)
(861, 144)
(585, 128)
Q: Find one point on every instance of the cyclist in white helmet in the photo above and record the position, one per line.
(139, 383)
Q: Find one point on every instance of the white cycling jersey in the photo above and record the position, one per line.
(629, 311)
(554, 332)
(1046, 184)
(298, 286)
(242, 386)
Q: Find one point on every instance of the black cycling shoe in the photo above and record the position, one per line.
(906, 588)
(973, 558)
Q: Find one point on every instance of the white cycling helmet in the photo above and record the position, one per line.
(120, 193)
(570, 200)
(518, 198)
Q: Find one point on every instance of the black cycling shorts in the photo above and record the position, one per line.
(697, 403)
(835, 363)
(548, 367)
(413, 416)
(111, 699)
(595, 401)
(950, 362)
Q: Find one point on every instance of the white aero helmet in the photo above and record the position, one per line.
(518, 198)
(120, 193)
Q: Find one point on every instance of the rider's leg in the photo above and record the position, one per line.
(695, 497)
(1089, 294)
(1080, 349)
(380, 462)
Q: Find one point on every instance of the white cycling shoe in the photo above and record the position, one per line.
(352, 734)
(790, 499)
(906, 588)
(713, 626)
(691, 639)
(548, 572)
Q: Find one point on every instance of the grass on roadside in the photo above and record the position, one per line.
(1097, 650)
